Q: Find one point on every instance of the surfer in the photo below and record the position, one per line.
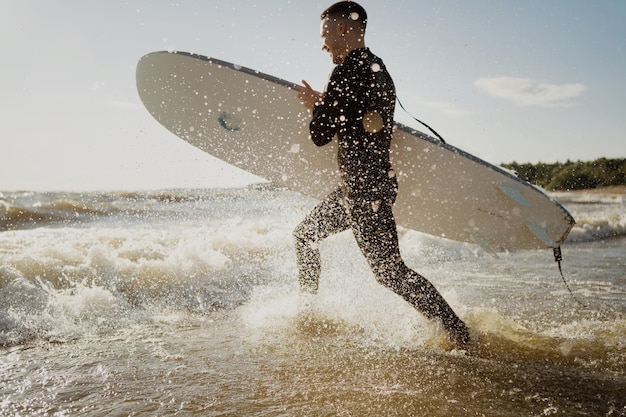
(358, 106)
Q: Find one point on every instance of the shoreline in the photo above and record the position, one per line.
(613, 189)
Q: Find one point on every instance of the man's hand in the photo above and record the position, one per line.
(308, 96)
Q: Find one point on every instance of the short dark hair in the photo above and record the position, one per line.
(348, 10)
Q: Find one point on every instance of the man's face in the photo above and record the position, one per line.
(332, 36)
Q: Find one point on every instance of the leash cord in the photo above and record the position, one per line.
(420, 122)
(558, 257)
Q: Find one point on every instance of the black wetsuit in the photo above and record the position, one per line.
(358, 106)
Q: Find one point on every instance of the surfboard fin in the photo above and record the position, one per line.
(514, 194)
(541, 234)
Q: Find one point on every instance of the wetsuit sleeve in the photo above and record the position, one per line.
(325, 122)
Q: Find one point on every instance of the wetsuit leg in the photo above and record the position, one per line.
(375, 230)
(327, 218)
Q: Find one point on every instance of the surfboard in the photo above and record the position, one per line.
(256, 122)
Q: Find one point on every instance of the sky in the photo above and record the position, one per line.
(524, 81)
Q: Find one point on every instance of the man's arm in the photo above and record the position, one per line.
(324, 123)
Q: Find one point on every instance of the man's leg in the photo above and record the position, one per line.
(327, 218)
(375, 230)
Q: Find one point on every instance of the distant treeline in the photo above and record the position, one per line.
(573, 175)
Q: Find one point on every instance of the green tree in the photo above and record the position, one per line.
(570, 175)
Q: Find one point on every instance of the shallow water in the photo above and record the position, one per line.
(186, 303)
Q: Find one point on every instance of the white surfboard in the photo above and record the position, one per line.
(256, 122)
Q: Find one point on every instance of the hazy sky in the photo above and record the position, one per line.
(521, 81)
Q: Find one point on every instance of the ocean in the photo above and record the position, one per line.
(185, 302)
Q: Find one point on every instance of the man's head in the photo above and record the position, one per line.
(343, 29)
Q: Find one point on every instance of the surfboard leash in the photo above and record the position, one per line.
(420, 122)
(558, 257)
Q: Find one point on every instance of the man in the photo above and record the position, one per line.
(358, 106)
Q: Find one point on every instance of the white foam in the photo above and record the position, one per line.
(60, 282)
(350, 305)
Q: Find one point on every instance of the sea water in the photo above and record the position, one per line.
(185, 302)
